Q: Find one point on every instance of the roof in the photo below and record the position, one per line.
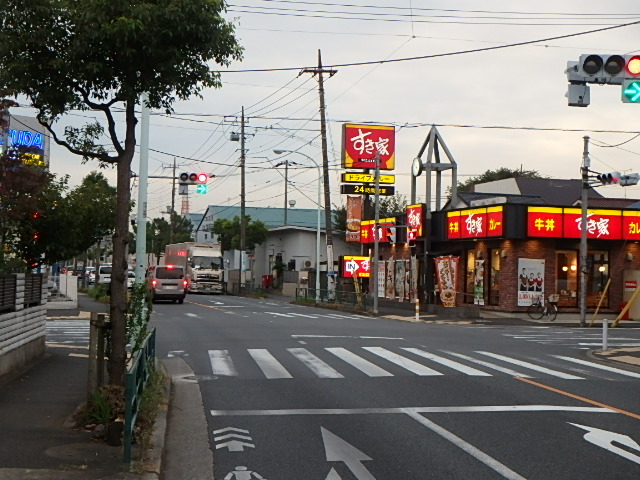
(628, 203)
(553, 191)
(270, 216)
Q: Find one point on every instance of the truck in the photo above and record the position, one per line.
(202, 263)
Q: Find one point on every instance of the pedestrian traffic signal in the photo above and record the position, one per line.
(629, 179)
(187, 178)
(602, 68)
(609, 178)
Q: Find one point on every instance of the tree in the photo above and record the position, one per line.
(340, 218)
(228, 232)
(102, 56)
(492, 175)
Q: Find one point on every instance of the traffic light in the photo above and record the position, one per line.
(631, 82)
(629, 179)
(609, 178)
(187, 178)
(201, 188)
(601, 68)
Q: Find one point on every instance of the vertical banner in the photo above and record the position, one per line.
(446, 271)
(414, 279)
(530, 280)
(400, 279)
(381, 283)
(354, 217)
(390, 289)
(478, 283)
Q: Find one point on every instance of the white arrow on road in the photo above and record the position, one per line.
(338, 450)
(235, 445)
(333, 475)
(605, 439)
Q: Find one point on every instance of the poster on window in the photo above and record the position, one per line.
(446, 272)
(478, 283)
(400, 279)
(530, 280)
(390, 288)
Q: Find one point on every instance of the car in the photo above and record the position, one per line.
(90, 275)
(104, 272)
(168, 282)
(131, 278)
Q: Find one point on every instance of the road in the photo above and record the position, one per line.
(300, 393)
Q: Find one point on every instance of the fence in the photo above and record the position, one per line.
(340, 297)
(135, 382)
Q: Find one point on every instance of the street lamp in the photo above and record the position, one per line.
(279, 152)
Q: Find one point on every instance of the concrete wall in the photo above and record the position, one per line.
(22, 332)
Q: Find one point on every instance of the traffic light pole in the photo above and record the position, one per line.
(586, 163)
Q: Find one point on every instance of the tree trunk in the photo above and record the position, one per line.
(118, 307)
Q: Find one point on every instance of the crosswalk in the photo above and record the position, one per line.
(374, 361)
(67, 332)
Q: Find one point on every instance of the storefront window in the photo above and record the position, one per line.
(494, 277)
(567, 278)
(598, 277)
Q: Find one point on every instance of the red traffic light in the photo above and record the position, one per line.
(203, 177)
(633, 65)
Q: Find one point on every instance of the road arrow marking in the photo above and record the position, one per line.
(333, 475)
(177, 353)
(235, 445)
(338, 450)
(235, 433)
(605, 439)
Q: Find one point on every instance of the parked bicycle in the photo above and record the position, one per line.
(537, 309)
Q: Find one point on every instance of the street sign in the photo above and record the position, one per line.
(356, 266)
(631, 91)
(353, 177)
(349, 189)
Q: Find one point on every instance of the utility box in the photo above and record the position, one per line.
(578, 95)
(630, 283)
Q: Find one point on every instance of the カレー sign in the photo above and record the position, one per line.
(356, 267)
(361, 144)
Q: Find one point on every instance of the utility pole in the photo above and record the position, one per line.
(173, 201)
(141, 217)
(243, 227)
(586, 163)
(325, 168)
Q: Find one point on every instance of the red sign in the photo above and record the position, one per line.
(630, 225)
(361, 143)
(415, 220)
(544, 222)
(495, 221)
(630, 285)
(601, 224)
(386, 231)
(356, 267)
(473, 223)
(453, 224)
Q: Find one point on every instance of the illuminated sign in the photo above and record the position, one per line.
(415, 220)
(601, 224)
(475, 223)
(366, 190)
(356, 267)
(555, 222)
(544, 222)
(631, 225)
(25, 138)
(361, 144)
(386, 231)
(351, 177)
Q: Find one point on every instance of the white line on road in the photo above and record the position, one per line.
(493, 366)
(365, 366)
(404, 410)
(268, 364)
(347, 336)
(601, 367)
(401, 361)
(316, 365)
(548, 371)
(221, 363)
(448, 363)
(479, 455)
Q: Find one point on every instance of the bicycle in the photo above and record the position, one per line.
(537, 309)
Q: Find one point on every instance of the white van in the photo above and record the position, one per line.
(104, 272)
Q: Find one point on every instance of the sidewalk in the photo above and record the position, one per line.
(36, 409)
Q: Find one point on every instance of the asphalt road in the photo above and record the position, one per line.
(301, 393)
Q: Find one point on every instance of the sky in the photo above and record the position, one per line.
(490, 75)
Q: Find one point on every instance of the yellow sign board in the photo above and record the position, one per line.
(351, 177)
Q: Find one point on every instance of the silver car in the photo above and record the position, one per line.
(168, 282)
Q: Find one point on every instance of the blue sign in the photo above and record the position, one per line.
(26, 138)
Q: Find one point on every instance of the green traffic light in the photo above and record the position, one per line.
(631, 91)
(201, 188)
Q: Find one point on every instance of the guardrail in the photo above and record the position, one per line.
(340, 297)
(135, 382)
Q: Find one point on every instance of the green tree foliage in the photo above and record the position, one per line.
(102, 56)
(339, 216)
(228, 232)
(391, 206)
(498, 174)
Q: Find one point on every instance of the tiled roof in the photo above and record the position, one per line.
(554, 191)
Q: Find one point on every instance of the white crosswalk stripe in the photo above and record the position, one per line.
(71, 332)
(379, 362)
(537, 368)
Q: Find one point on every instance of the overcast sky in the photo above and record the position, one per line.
(501, 107)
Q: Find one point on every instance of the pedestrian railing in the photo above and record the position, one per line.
(339, 297)
(136, 378)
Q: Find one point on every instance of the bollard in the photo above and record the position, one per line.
(605, 332)
(417, 308)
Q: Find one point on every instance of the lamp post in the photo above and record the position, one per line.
(279, 152)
